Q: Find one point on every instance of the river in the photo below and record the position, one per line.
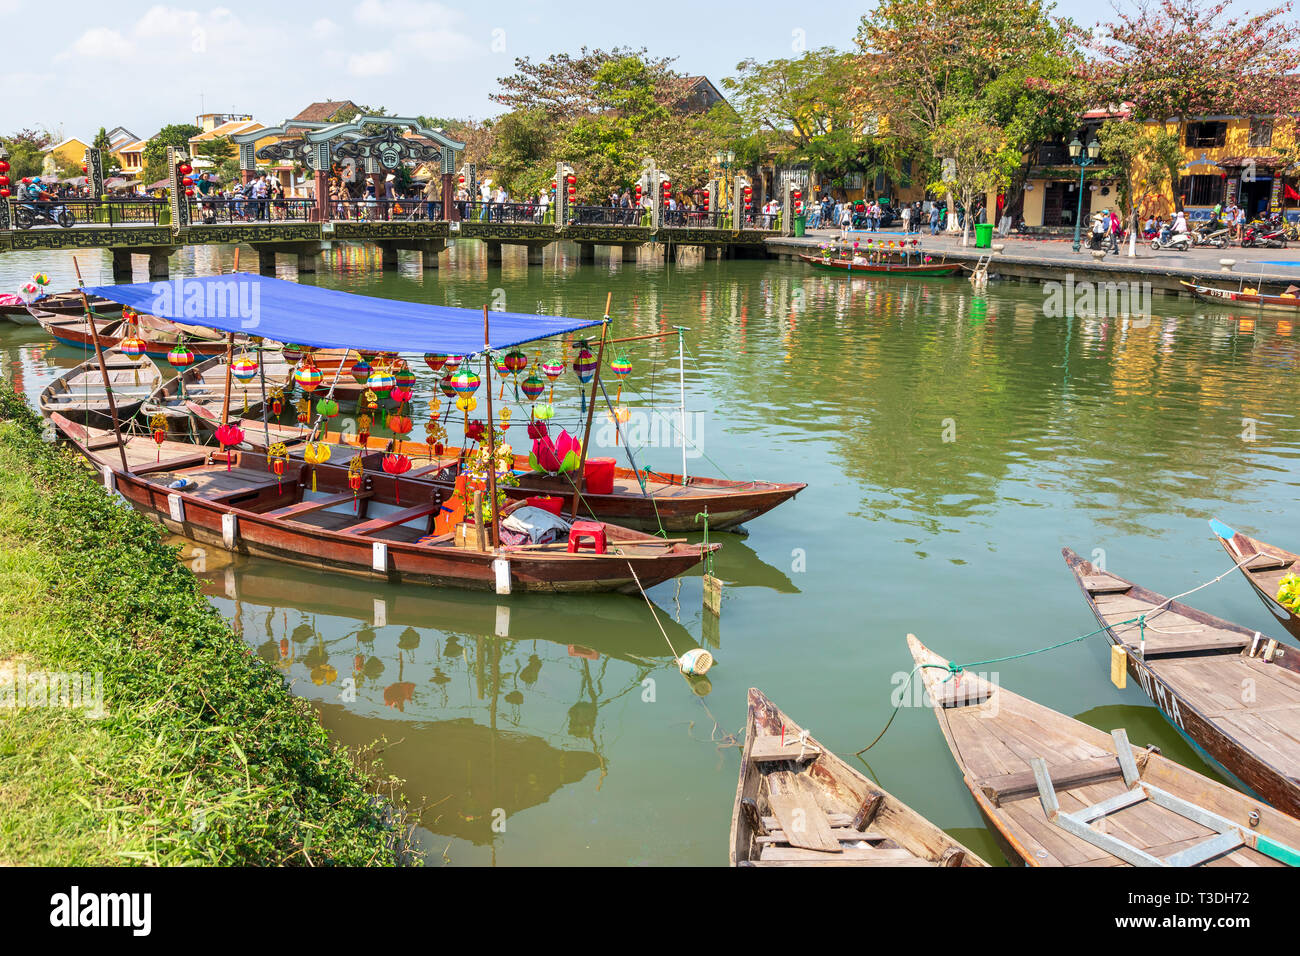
(952, 442)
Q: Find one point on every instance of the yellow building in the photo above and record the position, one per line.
(70, 152)
(130, 157)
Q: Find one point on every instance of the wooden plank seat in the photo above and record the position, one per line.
(170, 464)
(1009, 787)
(295, 511)
(385, 522)
(1263, 561)
(847, 856)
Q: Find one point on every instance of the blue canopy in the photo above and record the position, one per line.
(289, 312)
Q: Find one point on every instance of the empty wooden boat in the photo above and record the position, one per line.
(61, 303)
(192, 402)
(381, 530)
(159, 335)
(885, 267)
(797, 804)
(1267, 566)
(80, 396)
(1242, 298)
(1057, 792)
(1232, 691)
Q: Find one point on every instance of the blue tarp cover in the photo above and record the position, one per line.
(290, 312)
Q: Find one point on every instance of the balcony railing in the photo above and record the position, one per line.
(385, 210)
(94, 212)
(210, 212)
(516, 212)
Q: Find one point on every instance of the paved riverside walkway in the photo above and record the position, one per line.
(1050, 257)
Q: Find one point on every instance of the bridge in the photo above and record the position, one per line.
(371, 147)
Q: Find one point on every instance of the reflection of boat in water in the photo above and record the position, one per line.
(739, 565)
(477, 770)
(607, 624)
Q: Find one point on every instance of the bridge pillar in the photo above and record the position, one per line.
(712, 252)
(429, 255)
(157, 264)
(122, 265)
(388, 255)
(629, 253)
(535, 254)
(494, 253)
(265, 260)
(587, 252)
(307, 260)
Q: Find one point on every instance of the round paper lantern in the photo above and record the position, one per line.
(400, 394)
(360, 371)
(516, 361)
(404, 378)
(448, 389)
(244, 368)
(465, 381)
(380, 381)
(180, 357)
(533, 387)
(400, 425)
(435, 360)
(584, 366)
(4, 165)
(133, 347)
(499, 363)
(308, 376)
(41, 279)
(4, 193)
(452, 363)
(552, 371)
(621, 367)
(327, 407)
(544, 412)
(292, 353)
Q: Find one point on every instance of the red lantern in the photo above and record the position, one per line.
(396, 465)
(460, 180)
(83, 169)
(159, 436)
(400, 425)
(570, 179)
(189, 192)
(184, 169)
(475, 431)
(4, 180)
(227, 437)
(4, 192)
(4, 165)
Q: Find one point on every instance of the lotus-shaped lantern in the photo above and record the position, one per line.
(559, 455)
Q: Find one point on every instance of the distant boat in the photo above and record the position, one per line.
(79, 394)
(160, 335)
(14, 309)
(884, 267)
(1267, 566)
(1269, 303)
(1058, 792)
(788, 778)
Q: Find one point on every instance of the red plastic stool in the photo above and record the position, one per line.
(594, 530)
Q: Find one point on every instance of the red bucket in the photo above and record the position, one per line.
(547, 503)
(599, 476)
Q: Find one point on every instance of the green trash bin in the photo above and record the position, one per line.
(799, 222)
(983, 235)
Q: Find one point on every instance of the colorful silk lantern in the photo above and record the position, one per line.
(244, 368)
(328, 408)
(292, 353)
(41, 279)
(307, 375)
(552, 371)
(584, 365)
(276, 458)
(544, 413)
(355, 479)
(396, 465)
(276, 398)
(360, 371)
(133, 347)
(621, 368)
(404, 377)
(465, 381)
(158, 423)
(435, 360)
(227, 437)
(380, 381)
(452, 363)
(448, 389)
(533, 387)
(180, 357)
(315, 453)
(400, 425)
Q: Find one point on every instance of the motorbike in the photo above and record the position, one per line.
(1213, 234)
(1177, 241)
(31, 214)
(1270, 234)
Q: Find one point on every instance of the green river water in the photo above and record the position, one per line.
(952, 444)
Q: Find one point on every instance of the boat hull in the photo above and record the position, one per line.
(1231, 297)
(883, 269)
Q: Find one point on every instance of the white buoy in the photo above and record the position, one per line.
(695, 662)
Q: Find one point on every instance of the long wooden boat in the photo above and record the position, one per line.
(884, 267)
(160, 335)
(1239, 297)
(382, 531)
(79, 394)
(797, 804)
(666, 502)
(1265, 570)
(1057, 792)
(60, 303)
(1195, 667)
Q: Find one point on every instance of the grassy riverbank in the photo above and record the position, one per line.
(202, 755)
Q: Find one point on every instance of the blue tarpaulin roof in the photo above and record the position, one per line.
(290, 312)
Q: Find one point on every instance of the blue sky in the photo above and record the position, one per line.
(147, 64)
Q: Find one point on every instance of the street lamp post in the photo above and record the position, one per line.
(1083, 157)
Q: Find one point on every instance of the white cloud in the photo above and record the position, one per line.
(403, 14)
(372, 63)
(99, 42)
(325, 28)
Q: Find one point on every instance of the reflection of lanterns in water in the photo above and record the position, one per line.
(399, 694)
(1284, 327)
(374, 667)
(514, 698)
(302, 633)
(409, 639)
(453, 648)
(582, 719)
(439, 677)
(1246, 325)
(366, 634)
(702, 686)
(531, 671)
(323, 674)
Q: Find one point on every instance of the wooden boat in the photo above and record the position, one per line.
(1265, 570)
(1194, 667)
(79, 394)
(232, 500)
(160, 335)
(1057, 792)
(61, 303)
(884, 267)
(797, 804)
(196, 408)
(1240, 297)
(666, 501)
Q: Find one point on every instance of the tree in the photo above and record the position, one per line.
(1127, 147)
(1185, 58)
(101, 141)
(564, 87)
(981, 161)
(25, 156)
(925, 61)
(520, 144)
(155, 151)
(217, 150)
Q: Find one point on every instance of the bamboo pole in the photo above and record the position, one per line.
(591, 410)
(103, 368)
(230, 358)
(491, 435)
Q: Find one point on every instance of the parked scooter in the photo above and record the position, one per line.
(1269, 234)
(1177, 241)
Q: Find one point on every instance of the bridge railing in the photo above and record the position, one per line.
(415, 209)
(696, 219)
(608, 216)
(479, 211)
(211, 212)
(26, 214)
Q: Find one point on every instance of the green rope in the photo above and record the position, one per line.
(955, 669)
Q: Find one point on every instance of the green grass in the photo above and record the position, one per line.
(203, 755)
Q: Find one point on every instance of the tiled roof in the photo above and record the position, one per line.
(322, 111)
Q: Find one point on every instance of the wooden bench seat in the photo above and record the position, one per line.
(398, 517)
(1007, 787)
(290, 512)
(170, 464)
